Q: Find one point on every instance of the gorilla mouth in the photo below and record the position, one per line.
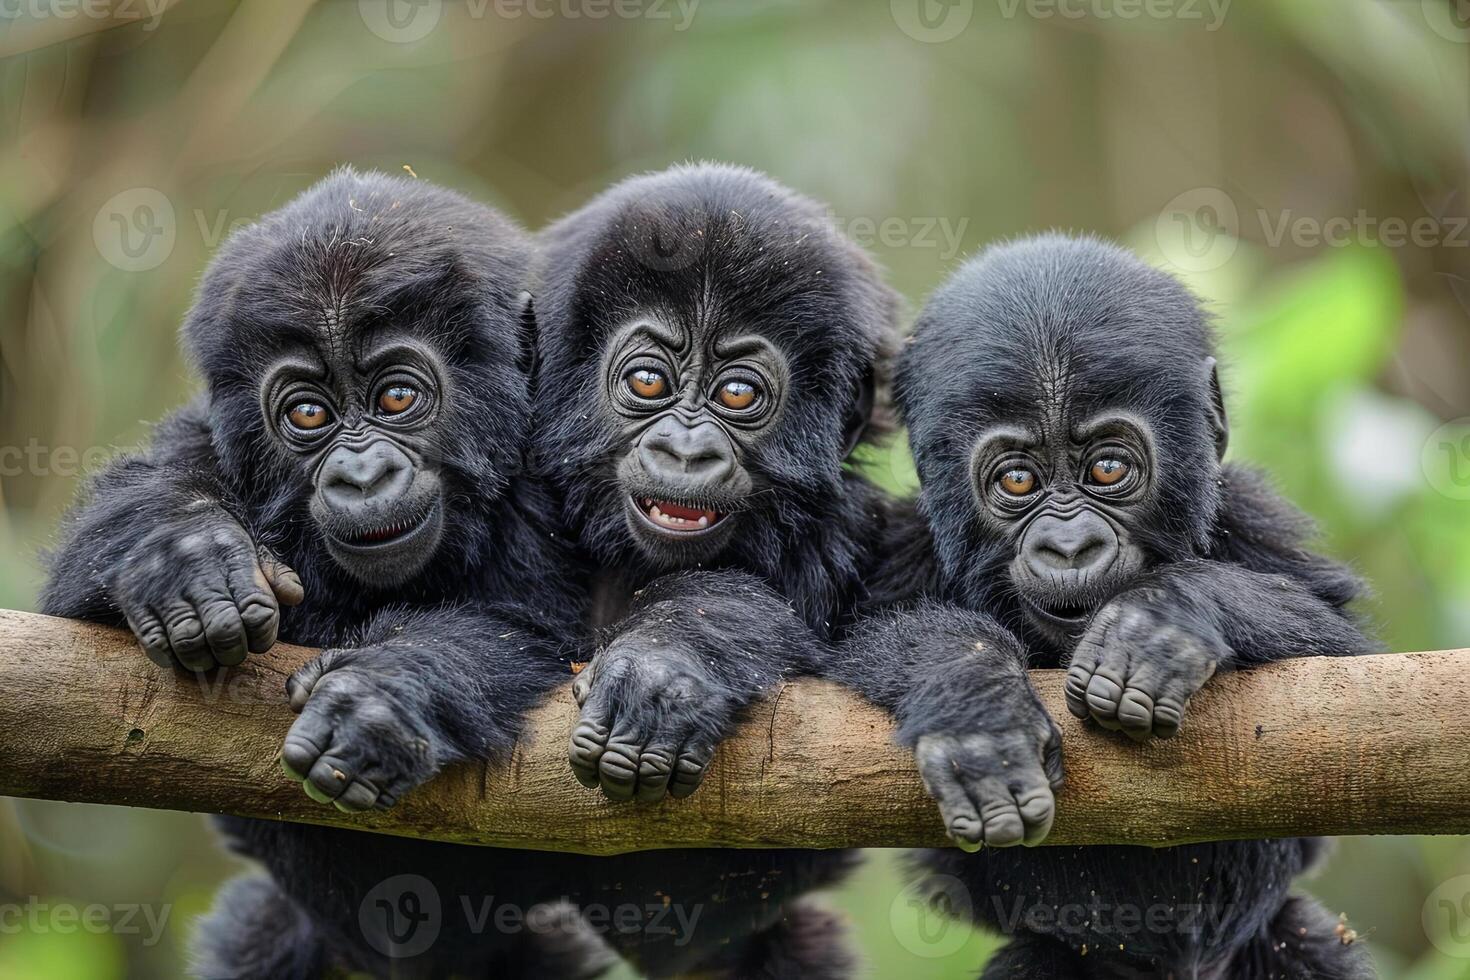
(1064, 614)
(668, 515)
(389, 535)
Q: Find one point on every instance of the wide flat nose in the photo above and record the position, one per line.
(678, 453)
(376, 474)
(1084, 543)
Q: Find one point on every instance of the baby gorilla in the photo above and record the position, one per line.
(362, 440)
(1067, 424)
(709, 347)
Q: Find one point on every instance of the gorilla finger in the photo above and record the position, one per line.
(281, 578)
(655, 769)
(588, 742)
(1038, 808)
(1104, 693)
(299, 753)
(256, 605)
(689, 769)
(359, 796)
(1051, 758)
(617, 770)
(152, 637)
(961, 819)
(1003, 826)
(1136, 714)
(331, 776)
(301, 684)
(186, 635)
(582, 685)
(223, 630)
(1075, 688)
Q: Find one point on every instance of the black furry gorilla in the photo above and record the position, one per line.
(1068, 425)
(363, 438)
(709, 352)
(707, 357)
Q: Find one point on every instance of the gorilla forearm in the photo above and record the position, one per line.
(956, 682)
(1260, 617)
(420, 689)
(673, 676)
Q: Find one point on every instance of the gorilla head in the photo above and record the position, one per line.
(1067, 424)
(363, 355)
(708, 345)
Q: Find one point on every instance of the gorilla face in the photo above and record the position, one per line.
(693, 404)
(1067, 496)
(361, 425)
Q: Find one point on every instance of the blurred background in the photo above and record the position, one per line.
(1302, 162)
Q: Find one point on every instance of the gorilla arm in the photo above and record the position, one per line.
(421, 689)
(671, 680)
(157, 545)
(956, 683)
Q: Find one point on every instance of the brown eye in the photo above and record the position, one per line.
(737, 394)
(397, 399)
(1018, 482)
(1106, 472)
(309, 415)
(647, 384)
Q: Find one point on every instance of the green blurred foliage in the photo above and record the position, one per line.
(1345, 363)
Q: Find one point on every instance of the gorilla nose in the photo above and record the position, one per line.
(376, 474)
(1084, 543)
(675, 453)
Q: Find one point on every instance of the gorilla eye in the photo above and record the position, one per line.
(1018, 482)
(309, 415)
(646, 383)
(397, 399)
(737, 394)
(1106, 472)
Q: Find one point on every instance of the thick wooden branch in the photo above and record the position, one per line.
(1365, 745)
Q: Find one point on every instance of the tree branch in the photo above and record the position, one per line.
(1362, 745)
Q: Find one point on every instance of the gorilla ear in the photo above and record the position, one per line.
(1219, 423)
(861, 411)
(528, 359)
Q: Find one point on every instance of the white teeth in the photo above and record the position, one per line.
(703, 521)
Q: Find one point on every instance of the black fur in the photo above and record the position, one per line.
(433, 670)
(1045, 332)
(715, 252)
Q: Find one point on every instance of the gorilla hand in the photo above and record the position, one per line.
(199, 593)
(650, 721)
(995, 780)
(1140, 661)
(364, 737)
